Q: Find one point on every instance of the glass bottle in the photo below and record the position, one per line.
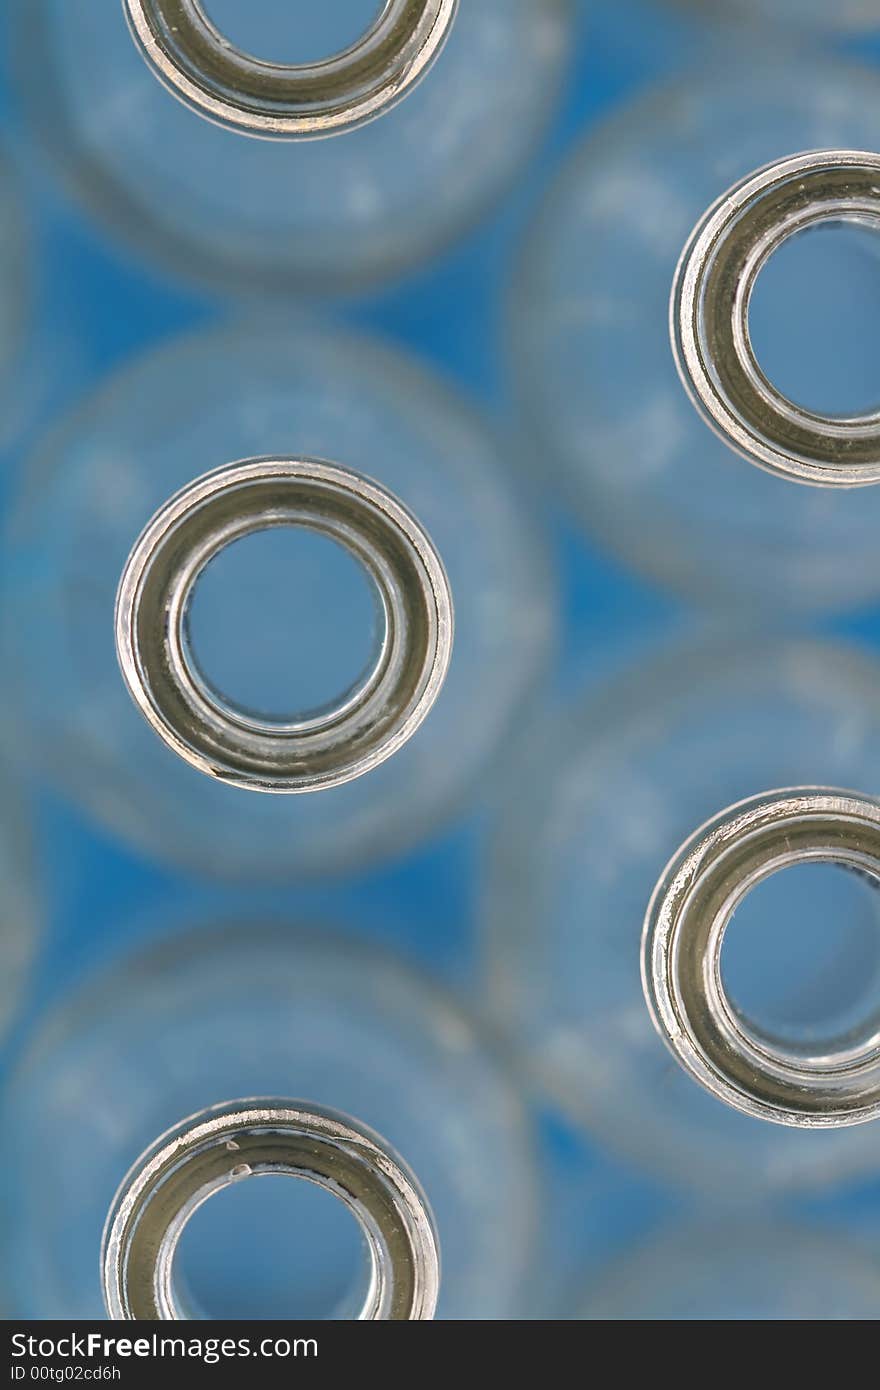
(14, 272)
(46, 357)
(810, 1077)
(222, 1013)
(20, 908)
(592, 359)
(595, 810)
(282, 621)
(848, 16)
(753, 1270)
(318, 748)
(227, 1145)
(194, 56)
(328, 214)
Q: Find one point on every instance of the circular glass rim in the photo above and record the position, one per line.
(709, 317)
(238, 1140)
(369, 723)
(685, 924)
(272, 101)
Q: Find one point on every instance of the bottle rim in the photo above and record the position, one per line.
(709, 317)
(814, 1087)
(371, 720)
(289, 101)
(238, 1140)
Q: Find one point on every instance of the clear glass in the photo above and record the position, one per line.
(213, 398)
(46, 356)
(334, 213)
(235, 1147)
(244, 1011)
(823, 1077)
(16, 294)
(13, 271)
(306, 749)
(356, 80)
(753, 1271)
(591, 349)
(846, 15)
(20, 906)
(599, 802)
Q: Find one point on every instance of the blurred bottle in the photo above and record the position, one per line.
(328, 214)
(214, 1015)
(845, 16)
(592, 1210)
(590, 335)
(593, 811)
(45, 358)
(20, 913)
(14, 273)
(754, 1272)
(281, 621)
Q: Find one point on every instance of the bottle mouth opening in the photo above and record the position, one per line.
(800, 959)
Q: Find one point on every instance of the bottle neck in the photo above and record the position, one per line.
(235, 1142)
